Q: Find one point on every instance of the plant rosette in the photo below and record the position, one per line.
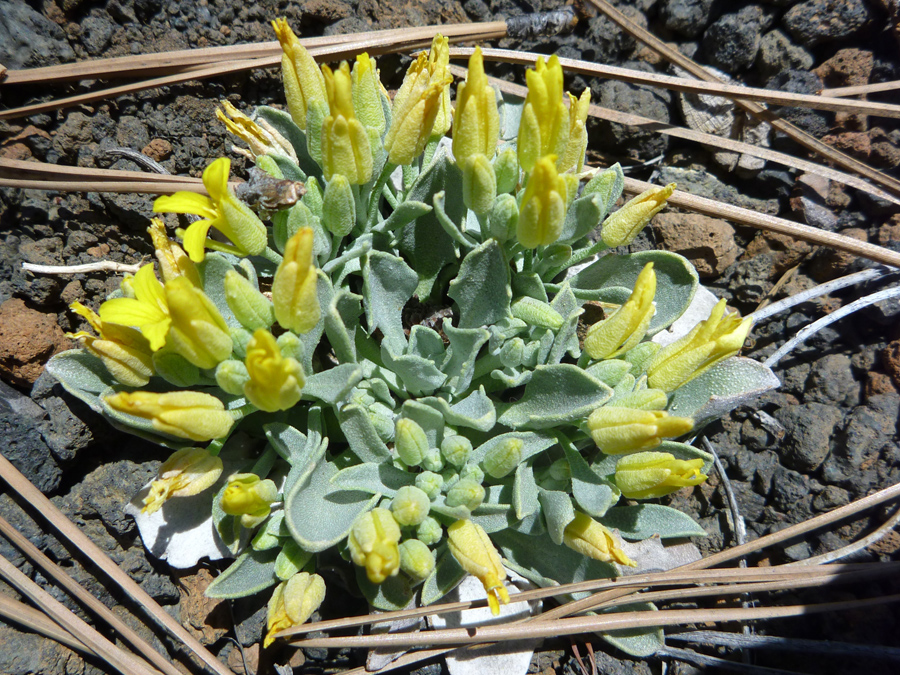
(403, 375)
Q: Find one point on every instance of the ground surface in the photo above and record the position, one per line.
(828, 436)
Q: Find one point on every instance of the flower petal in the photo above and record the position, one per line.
(195, 239)
(186, 202)
(215, 178)
(147, 288)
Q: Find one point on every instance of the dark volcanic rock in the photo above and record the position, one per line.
(22, 443)
(811, 121)
(732, 41)
(777, 53)
(28, 38)
(808, 430)
(831, 380)
(686, 17)
(817, 21)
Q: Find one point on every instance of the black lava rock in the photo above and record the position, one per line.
(816, 21)
(808, 430)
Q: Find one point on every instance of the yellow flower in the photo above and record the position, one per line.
(544, 128)
(198, 332)
(367, 94)
(476, 121)
(184, 414)
(294, 293)
(573, 155)
(543, 209)
(625, 224)
(262, 138)
(186, 473)
(275, 381)
(123, 350)
(173, 262)
(719, 337)
(592, 539)
(618, 431)
(626, 327)
(221, 210)
(421, 107)
(303, 81)
(148, 310)
(293, 602)
(373, 543)
(646, 475)
(345, 143)
(249, 497)
(475, 553)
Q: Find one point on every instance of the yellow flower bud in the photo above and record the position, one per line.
(275, 381)
(573, 155)
(719, 337)
(262, 138)
(544, 128)
(543, 209)
(476, 121)
(250, 307)
(345, 143)
(593, 540)
(624, 225)
(647, 475)
(303, 81)
(421, 107)
(186, 473)
(626, 327)
(249, 497)
(416, 559)
(473, 550)
(221, 210)
(503, 458)
(294, 293)
(123, 350)
(293, 602)
(618, 431)
(147, 309)
(466, 492)
(184, 414)
(173, 261)
(367, 94)
(198, 332)
(373, 544)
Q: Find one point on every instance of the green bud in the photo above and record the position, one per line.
(472, 472)
(291, 346)
(503, 457)
(506, 169)
(315, 116)
(536, 313)
(429, 531)
(465, 493)
(231, 376)
(410, 441)
(512, 352)
(313, 199)
(285, 224)
(339, 206)
(430, 483)
(268, 164)
(250, 307)
(433, 461)
(456, 449)
(504, 218)
(239, 339)
(290, 560)
(410, 506)
(479, 183)
(416, 559)
(175, 369)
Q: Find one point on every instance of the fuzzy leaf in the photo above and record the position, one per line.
(284, 125)
(361, 435)
(389, 284)
(649, 520)
(533, 443)
(558, 512)
(431, 421)
(555, 395)
(384, 479)
(403, 215)
(594, 493)
(481, 289)
(83, 375)
(419, 376)
(525, 491)
(393, 594)
(344, 311)
(721, 389)
(459, 364)
(332, 386)
(252, 572)
(475, 411)
(637, 642)
(334, 510)
(446, 576)
(583, 216)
